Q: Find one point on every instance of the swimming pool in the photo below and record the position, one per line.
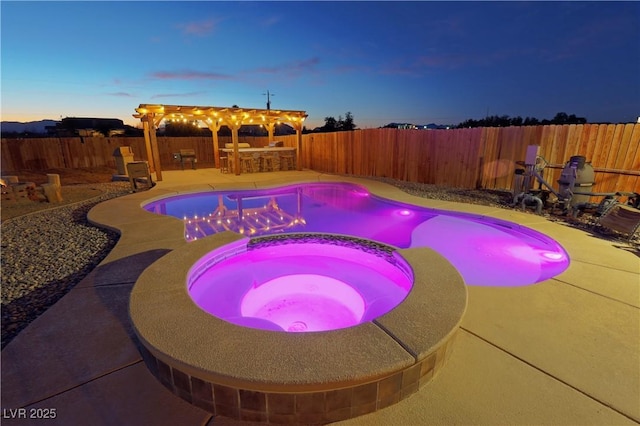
(485, 251)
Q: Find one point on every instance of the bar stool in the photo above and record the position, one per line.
(246, 163)
(231, 163)
(224, 165)
(287, 161)
(266, 162)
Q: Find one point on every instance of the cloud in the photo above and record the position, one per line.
(199, 28)
(189, 75)
(121, 94)
(177, 95)
(289, 70)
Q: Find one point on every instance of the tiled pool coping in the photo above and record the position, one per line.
(257, 375)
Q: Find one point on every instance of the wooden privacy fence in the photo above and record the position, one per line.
(85, 152)
(462, 158)
(479, 157)
(612, 149)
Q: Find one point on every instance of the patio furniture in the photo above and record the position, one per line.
(256, 153)
(622, 218)
(186, 155)
(53, 189)
(224, 165)
(266, 162)
(287, 161)
(139, 172)
(122, 155)
(246, 163)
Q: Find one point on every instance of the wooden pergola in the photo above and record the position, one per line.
(151, 115)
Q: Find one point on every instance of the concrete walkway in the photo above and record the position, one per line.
(565, 351)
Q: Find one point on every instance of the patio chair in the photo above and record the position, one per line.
(139, 173)
(623, 219)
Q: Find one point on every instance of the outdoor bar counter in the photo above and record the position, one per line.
(262, 159)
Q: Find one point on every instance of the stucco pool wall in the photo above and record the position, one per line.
(320, 377)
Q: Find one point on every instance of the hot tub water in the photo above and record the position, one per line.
(302, 284)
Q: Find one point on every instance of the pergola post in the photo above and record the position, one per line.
(297, 125)
(270, 126)
(298, 148)
(147, 142)
(215, 127)
(236, 152)
(154, 147)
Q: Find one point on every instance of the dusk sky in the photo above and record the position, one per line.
(417, 62)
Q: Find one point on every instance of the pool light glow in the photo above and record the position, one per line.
(486, 251)
(304, 302)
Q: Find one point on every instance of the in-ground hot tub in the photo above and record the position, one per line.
(257, 372)
(300, 283)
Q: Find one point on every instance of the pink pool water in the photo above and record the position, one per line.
(486, 251)
(316, 283)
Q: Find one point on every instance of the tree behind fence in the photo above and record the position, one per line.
(462, 158)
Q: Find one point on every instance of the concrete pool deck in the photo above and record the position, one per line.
(563, 351)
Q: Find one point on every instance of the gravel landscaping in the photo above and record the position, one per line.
(46, 253)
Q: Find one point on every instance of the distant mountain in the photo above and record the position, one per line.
(30, 127)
